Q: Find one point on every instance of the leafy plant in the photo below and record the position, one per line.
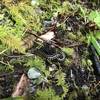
(95, 43)
(94, 16)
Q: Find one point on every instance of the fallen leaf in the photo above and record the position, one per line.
(47, 37)
(21, 86)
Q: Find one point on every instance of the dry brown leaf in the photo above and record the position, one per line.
(21, 86)
(48, 36)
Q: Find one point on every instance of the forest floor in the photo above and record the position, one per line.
(49, 50)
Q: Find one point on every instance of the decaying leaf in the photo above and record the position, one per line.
(48, 36)
(21, 86)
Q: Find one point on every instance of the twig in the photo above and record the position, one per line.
(3, 51)
(4, 63)
(17, 56)
(95, 86)
(50, 41)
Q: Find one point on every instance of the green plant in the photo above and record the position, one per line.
(65, 8)
(94, 16)
(60, 76)
(6, 67)
(18, 18)
(39, 64)
(83, 12)
(68, 51)
(15, 98)
(10, 41)
(26, 15)
(72, 95)
(46, 94)
(92, 39)
(97, 35)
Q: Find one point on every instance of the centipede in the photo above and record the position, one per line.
(59, 56)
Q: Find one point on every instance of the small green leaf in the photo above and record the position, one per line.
(95, 17)
(97, 20)
(97, 35)
(95, 44)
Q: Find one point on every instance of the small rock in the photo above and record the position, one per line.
(33, 73)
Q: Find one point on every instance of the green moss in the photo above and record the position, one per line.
(68, 51)
(60, 76)
(68, 61)
(46, 94)
(71, 36)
